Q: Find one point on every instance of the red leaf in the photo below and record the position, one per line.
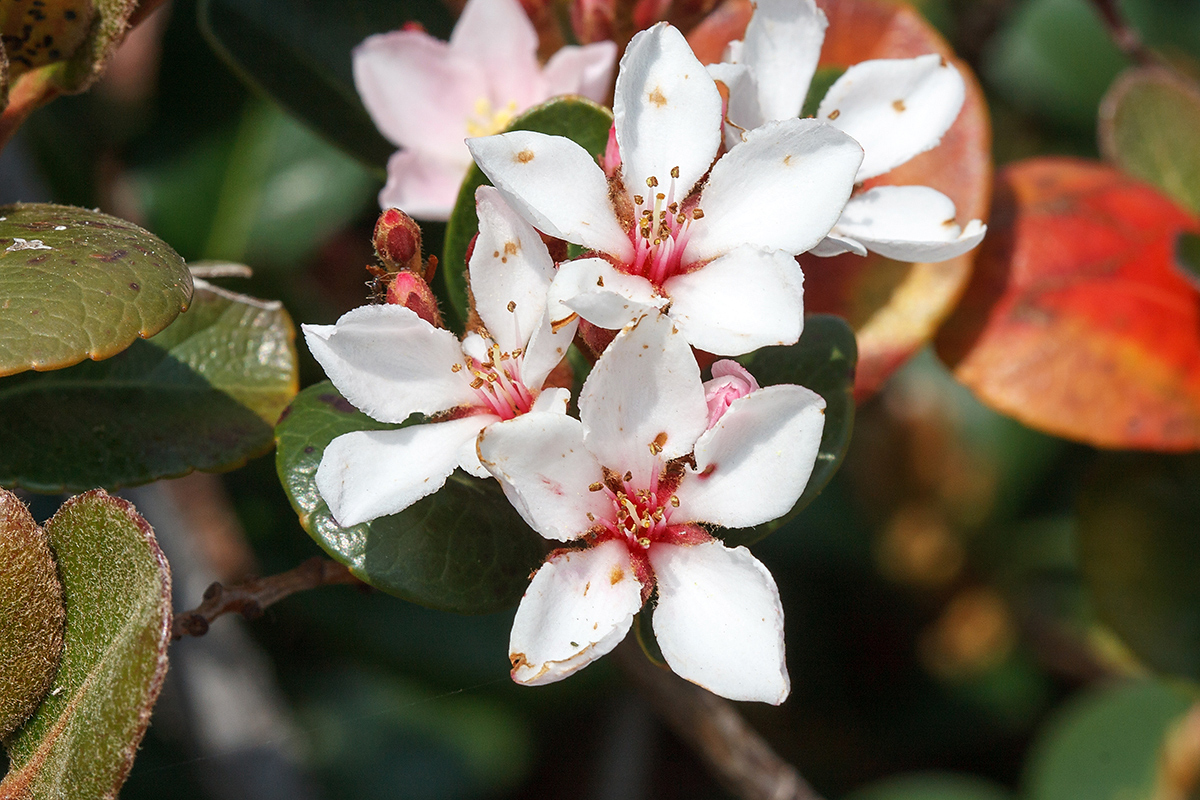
(1077, 321)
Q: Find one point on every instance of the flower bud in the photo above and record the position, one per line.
(593, 20)
(398, 242)
(730, 381)
(611, 160)
(410, 290)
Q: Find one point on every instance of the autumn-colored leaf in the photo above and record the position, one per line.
(1077, 321)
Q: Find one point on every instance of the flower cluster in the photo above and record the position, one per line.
(691, 230)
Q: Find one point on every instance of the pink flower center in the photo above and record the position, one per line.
(660, 231)
(498, 385)
(730, 381)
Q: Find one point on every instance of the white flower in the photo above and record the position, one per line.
(634, 479)
(391, 364)
(712, 249)
(426, 95)
(894, 108)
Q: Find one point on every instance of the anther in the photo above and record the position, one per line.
(644, 542)
(674, 501)
(652, 181)
(595, 487)
(638, 199)
(697, 214)
(674, 172)
(628, 477)
(512, 306)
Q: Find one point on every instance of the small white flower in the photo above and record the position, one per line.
(391, 364)
(634, 478)
(711, 245)
(426, 95)
(894, 108)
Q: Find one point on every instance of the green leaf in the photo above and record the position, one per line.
(203, 394)
(823, 360)
(931, 786)
(823, 78)
(80, 284)
(1139, 532)
(576, 118)
(1150, 127)
(31, 614)
(117, 590)
(298, 53)
(461, 549)
(1104, 745)
(1187, 257)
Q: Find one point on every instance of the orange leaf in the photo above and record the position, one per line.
(1078, 321)
(894, 307)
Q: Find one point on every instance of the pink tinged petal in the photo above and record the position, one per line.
(510, 271)
(782, 46)
(595, 290)
(744, 300)
(781, 189)
(835, 244)
(719, 621)
(578, 607)
(730, 380)
(498, 36)
(423, 185)
(418, 91)
(586, 70)
(545, 470)
(643, 403)
(895, 108)
(390, 363)
(754, 464)
(908, 223)
(555, 185)
(667, 111)
(369, 474)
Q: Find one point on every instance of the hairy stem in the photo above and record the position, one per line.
(251, 598)
(1122, 34)
(739, 757)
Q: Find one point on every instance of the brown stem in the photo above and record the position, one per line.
(739, 757)
(250, 598)
(1122, 34)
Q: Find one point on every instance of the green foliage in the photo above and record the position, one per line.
(297, 52)
(117, 591)
(576, 118)
(823, 360)
(823, 78)
(1139, 532)
(462, 549)
(80, 284)
(203, 394)
(31, 614)
(1104, 745)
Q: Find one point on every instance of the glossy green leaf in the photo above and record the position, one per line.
(203, 394)
(461, 549)
(1138, 536)
(931, 786)
(1104, 745)
(298, 53)
(80, 284)
(576, 118)
(1148, 127)
(31, 614)
(822, 79)
(823, 360)
(117, 590)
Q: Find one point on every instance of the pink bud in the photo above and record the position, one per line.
(593, 20)
(398, 242)
(611, 159)
(410, 290)
(730, 381)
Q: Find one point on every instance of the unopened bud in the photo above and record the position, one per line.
(398, 242)
(410, 290)
(611, 160)
(593, 20)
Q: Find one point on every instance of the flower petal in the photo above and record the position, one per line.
(782, 189)
(894, 107)
(555, 185)
(547, 347)
(643, 397)
(782, 46)
(546, 472)
(835, 244)
(510, 272)
(369, 474)
(746, 299)
(719, 621)
(578, 607)
(667, 111)
(753, 465)
(586, 70)
(742, 113)
(498, 36)
(390, 363)
(418, 91)
(601, 294)
(423, 185)
(908, 223)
